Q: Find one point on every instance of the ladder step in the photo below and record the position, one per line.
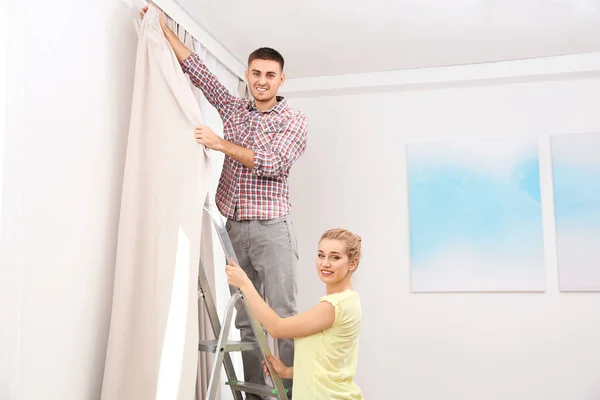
(232, 345)
(254, 388)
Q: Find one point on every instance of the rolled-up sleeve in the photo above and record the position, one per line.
(215, 92)
(287, 147)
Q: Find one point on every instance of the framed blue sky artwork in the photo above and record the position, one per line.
(576, 181)
(475, 216)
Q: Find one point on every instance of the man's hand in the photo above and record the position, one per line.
(204, 135)
(163, 24)
(143, 12)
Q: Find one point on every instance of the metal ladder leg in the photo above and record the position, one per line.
(222, 346)
(205, 293)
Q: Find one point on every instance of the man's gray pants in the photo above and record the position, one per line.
(267, 251)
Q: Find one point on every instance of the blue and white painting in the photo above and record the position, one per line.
(475, 216)
(576, 177)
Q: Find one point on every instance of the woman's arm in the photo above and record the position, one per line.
(316, 319)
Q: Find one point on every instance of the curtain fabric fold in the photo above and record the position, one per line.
(155, 327)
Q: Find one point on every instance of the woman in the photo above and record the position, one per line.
(326, 336)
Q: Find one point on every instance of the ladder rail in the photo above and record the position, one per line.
(257, 328)
(218, 361)
(210, 306)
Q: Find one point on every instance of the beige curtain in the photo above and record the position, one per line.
(205, 330)
(153, 341)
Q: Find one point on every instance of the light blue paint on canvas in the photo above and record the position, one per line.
(449, 202)
(486, 209)
(576, 181)
(577, 193)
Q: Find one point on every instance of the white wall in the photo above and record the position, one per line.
(5, 313)
(443, 346)
(71, 69)
(3, 80)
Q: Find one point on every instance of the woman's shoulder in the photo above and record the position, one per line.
(347, 307)
(337, 298)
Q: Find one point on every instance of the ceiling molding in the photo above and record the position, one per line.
(496, 72)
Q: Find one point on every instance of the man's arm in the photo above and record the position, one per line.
(204, 135)
(180, 50)
(238, 153)
(276, 161)
(201, 77)
(287, 147)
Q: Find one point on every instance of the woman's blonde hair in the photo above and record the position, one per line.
(351, 241)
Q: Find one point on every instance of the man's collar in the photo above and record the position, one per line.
(277, 108)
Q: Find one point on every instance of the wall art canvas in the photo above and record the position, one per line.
(475, 216)
(576, 181)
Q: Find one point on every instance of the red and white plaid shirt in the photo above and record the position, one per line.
(277, 136)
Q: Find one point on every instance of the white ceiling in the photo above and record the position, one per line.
(331, 37)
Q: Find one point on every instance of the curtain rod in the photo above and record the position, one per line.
(183, 18)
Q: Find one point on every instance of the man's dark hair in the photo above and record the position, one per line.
(266, 53)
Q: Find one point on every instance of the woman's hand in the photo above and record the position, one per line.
(236, 275)
(279, 367)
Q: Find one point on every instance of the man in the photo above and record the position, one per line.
(262, 140)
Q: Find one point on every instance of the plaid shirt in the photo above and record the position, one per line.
(277, 137)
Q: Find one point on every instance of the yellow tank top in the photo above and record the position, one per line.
(325, 363)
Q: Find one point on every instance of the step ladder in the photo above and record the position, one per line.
(222, 346)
